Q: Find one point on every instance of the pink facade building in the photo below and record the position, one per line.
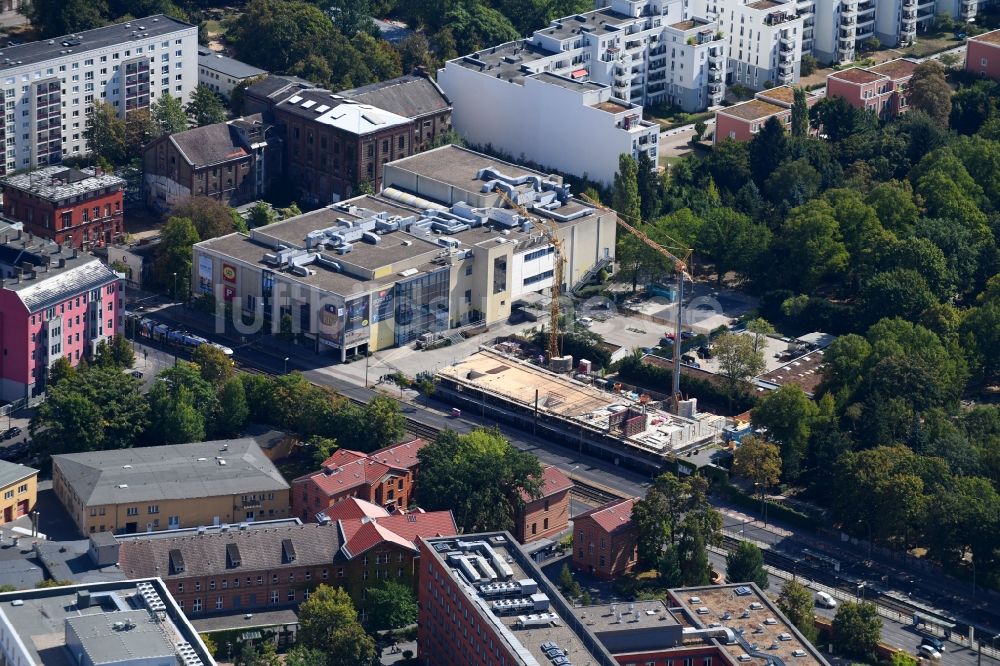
(740, 122)
(982, 55)
(881, 89)
(54, 301)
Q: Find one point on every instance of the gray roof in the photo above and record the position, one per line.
(278, 86)
(178, 471)
(47, 289)
(211, 144)
(408, 96)
(225, 65)
(98, 38)
(105, 643)
(12, 473)
(56, 183)
(206, 554)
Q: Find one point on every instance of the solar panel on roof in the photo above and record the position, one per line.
(322, 108)
(308, 104)
(295, 100)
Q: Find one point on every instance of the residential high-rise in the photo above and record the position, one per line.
(50, 86)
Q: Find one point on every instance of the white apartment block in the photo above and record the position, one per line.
(50, 86)
(569, 97)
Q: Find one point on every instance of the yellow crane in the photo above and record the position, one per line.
(557, 273)
(680, 266)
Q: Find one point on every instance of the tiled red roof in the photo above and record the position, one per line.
(333, 480)
(553, 482)
(353, 508)
(611, 516)
(342, 457)
(403, 529)
(402, 455)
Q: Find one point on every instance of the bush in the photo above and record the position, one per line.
(808, 64)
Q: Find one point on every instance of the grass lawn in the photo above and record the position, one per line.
(213, 27)
(929, 44)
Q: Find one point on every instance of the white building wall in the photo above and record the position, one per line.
(521, 270)
(535, 121)
(108, 85)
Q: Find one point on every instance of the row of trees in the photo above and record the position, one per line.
(97, 407)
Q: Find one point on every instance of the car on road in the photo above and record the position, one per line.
(933, 641)
(928, 652)
(586, 322)
(825, 600)
(11, 433)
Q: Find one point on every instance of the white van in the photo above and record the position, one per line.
(825, 600)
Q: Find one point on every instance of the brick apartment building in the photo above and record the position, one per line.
(982, 55)
(259, 567)
(55, 302)
(605, 540)
(548, 515)
(335, 142)
(81, 208)
(740, 122)
(881, 89)
(384, 478)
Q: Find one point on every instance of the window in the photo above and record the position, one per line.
(196, 606)
(132, 511)
(10, 493)
(274, 596)
(152, 508)
(218, 603)
(197, 586)
(211, 584)
(291, 594)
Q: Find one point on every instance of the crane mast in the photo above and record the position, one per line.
(680, 266)
(557, 273)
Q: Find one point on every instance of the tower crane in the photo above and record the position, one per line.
(680, 266)
(557, 273)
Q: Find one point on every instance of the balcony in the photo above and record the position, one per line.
(715, 55)
(786, 44)
(715, 88)
(848, 22)
(786, 68)
(785, 58)
(849, 9)
(714, 77)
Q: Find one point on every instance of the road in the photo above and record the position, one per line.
(923, 587)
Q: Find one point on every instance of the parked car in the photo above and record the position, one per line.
(825, 600)
(11, 433)
(933, 641)
(586, 322)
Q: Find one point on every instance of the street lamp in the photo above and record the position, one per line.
(175, 286)
(286, 365)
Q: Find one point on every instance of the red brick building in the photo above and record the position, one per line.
(384, 477)
(79, 207)
(982, 55)
(548, 515)
(605, 540)
(740, 122)
(263, 567)
(881, 89)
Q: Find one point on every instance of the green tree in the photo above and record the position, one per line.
(800, 112)
(105, 133)
(276, 34)
(699, 130)
(746, 565)
(788, 416)
(61, 370)
(768, 148)
(391, 605)
(415, 51)
(328, 622)
(140, 129)
(215, 367)
(812, 247)
(840, 120)
(351, 17)
(566, 580)
(732, 242)
(173, 416)
(796, 602)
(303, 656)
(930, 92)
(479, 476)
(760, 328)
(808, 64)
(648, 184)
(625, 198)
(971, 107)
(384, 422)
(54, 18)
(668, 568)
(211, 217)
(857, 629)
(169, 114)
(261, 215)
(894, 206)
(738, 360)
(173, 254)
(692, 557)
(117, 353)
(205, 107)
(659, 515)
(759, 462)
(793, 183)
(233, 410)
(901, 292)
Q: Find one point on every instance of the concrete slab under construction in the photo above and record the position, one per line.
(610, 419)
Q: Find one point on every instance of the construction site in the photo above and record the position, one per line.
(604, 419)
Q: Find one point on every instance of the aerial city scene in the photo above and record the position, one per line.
(500, 333)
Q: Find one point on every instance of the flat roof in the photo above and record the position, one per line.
(458, 166)
(171, 472)
(754, 109)
(504, 60)
(568, 83)
(785, 94)
(763, 624)
(123, 621)
(229, 66)
(991, 37)
(56, 183)
(806, 371)
(525, 641)
(597, 22)
(625, 616)
(611, 107)
(119, 34)
(900, 68)
(856, 75)
(764, 4)
(334, 110)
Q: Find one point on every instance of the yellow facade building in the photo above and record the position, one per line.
(19, 488)
(168, 487)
